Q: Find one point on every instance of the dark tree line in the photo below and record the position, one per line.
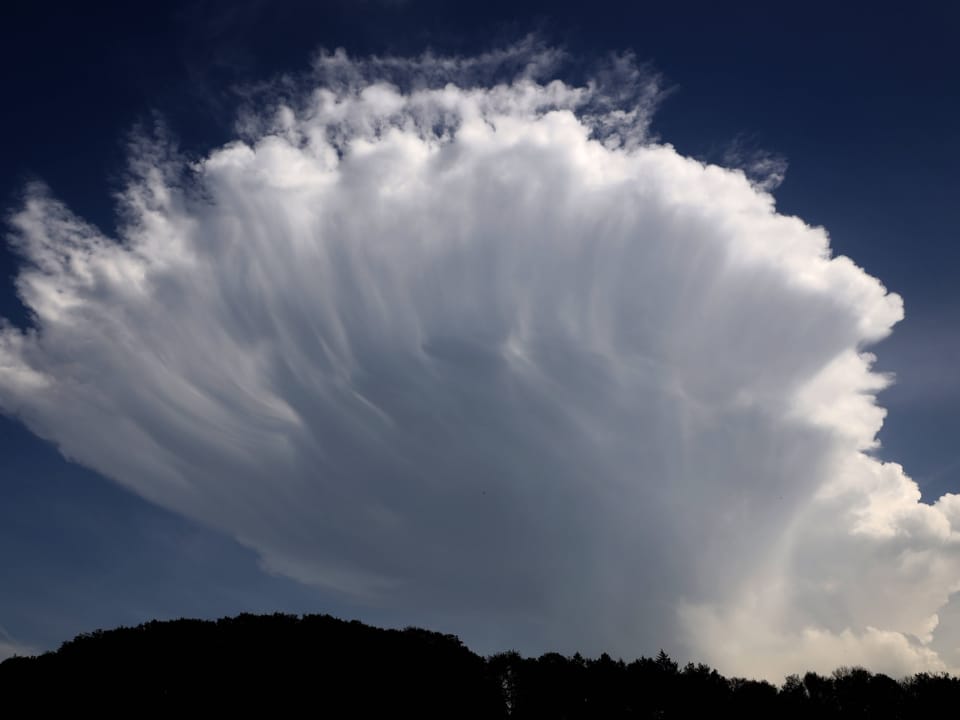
(318, 665)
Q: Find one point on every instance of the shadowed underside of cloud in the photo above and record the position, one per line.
(483, 349)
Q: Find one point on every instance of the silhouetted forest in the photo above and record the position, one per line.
(320, 666)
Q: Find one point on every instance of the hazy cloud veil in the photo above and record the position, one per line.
(445, 335)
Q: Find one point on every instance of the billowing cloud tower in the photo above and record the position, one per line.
(481, 348)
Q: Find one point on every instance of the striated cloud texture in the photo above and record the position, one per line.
(444, 335)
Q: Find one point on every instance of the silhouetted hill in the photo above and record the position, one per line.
(318, 665)
(270, 664)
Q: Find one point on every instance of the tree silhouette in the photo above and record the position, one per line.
(286, 664)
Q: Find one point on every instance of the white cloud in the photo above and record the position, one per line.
(483, 351)
(765, 169)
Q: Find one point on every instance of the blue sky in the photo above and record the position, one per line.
(860, 103)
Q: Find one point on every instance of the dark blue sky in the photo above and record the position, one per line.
(861, 100)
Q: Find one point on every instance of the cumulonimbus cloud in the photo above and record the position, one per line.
(483, 348)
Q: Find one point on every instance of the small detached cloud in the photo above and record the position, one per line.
(451, 337)
(765, 169)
